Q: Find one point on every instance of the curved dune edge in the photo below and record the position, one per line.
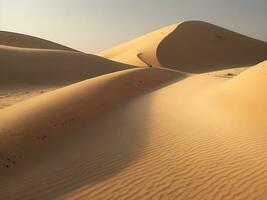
(246, 93)
(26, 41)
(198, 47)
(51, 115)
(191, 46)
(144, 46)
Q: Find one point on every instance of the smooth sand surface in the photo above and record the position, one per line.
(246, 94)
(192, 46)
(51, 67)
(114, 131)
(27, 72)
(26, 41)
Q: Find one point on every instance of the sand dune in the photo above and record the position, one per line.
(26, 41)
(41, 67)
(246, 93)
(12, 95)
(116, 131)
(59, 110)
(34, 71)
(168, 143)
(192, 46)
(144, 46)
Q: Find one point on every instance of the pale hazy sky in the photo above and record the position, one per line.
(94, 25)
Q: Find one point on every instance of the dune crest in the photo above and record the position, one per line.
(77, 103)
(143, 46)
(192, 46)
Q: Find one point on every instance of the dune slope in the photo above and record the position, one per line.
(201, 47)
(142, 49)
(26, 41)
(192, 46)
(51, 114)
(246, 93)
(170, 143)
(35, 71)
(42, 66)
(115, 131)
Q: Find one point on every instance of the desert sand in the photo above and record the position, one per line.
(41, 70)
(178, 114)
(191, 46)
(26, 41)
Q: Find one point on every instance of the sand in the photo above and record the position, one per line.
(134, 132)
(246, 93)
(144, 47)
(26, 41)
(192, 46)
(35, 71)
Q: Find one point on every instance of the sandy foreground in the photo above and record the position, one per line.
(78, 126)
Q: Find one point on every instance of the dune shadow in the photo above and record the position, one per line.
(100, 150)
(213, 48)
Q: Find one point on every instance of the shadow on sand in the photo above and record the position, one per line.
(95, 153)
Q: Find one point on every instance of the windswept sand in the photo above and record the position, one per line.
(115, 131)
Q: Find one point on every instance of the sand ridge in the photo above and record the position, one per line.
(192, 46)
(26, 41)
(77, 102)
(144, 46)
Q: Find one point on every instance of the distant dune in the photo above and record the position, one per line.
(26, 41)
(51, 67)
(178, 114)
(31, 66)
(192, 46)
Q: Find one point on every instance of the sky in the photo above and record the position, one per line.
(95, 25)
